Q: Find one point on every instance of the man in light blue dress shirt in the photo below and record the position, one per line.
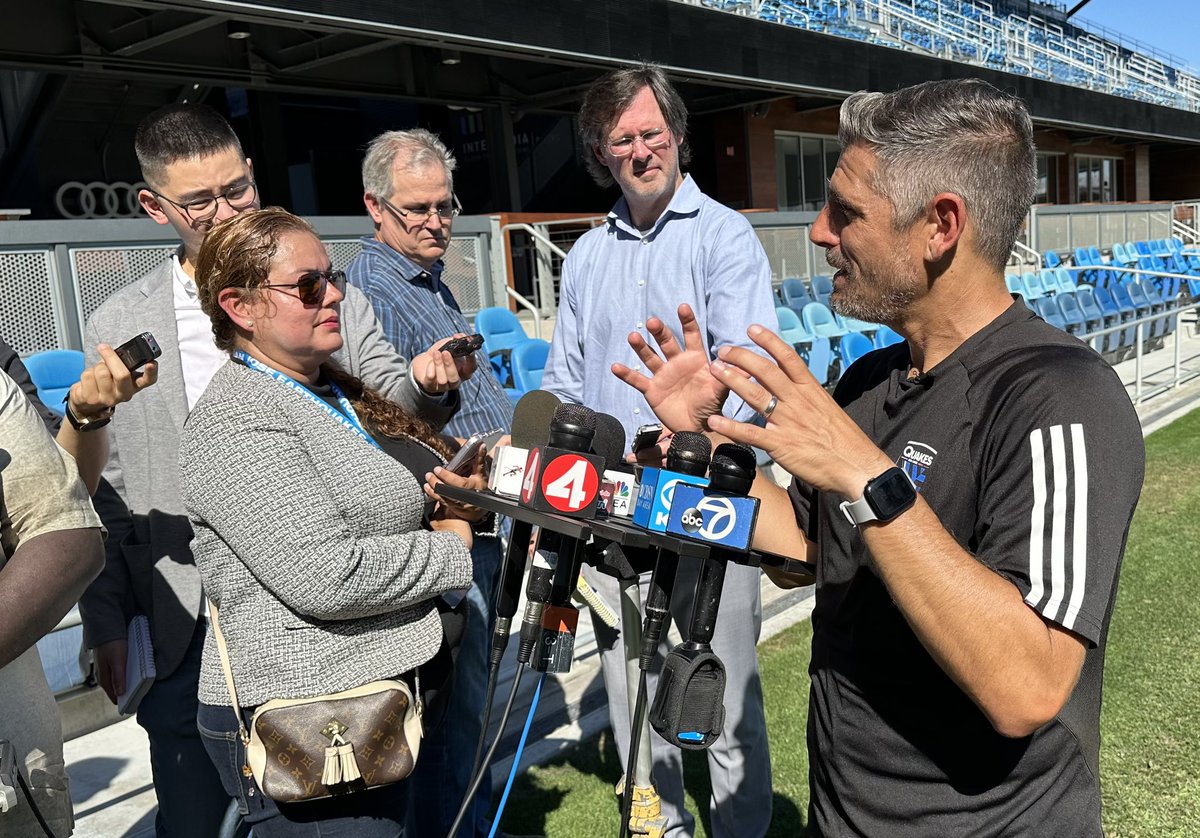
(665, 243)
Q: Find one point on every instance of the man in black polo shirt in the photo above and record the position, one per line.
(966, 495)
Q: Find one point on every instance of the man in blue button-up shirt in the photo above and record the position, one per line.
(665, 243)
(409, 192)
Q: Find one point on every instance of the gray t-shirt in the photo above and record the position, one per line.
(40, 492)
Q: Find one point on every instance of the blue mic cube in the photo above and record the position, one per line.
(713, 517)
(653, 507)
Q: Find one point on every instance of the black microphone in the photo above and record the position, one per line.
(531, 425)
(688, 455)
(553, 479)
(689, 709)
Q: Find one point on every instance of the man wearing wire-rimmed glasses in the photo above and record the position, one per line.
(665, 242)
(408, 189)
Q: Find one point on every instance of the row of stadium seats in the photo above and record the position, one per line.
(828, 342)
(975, 32)
(1158, 256)
(1086, 311)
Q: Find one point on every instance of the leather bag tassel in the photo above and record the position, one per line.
(348, 762)
(332, 775)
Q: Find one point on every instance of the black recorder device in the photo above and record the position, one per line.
(138, 351)
(462, 347)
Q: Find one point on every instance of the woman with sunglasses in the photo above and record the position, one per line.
(312, 536)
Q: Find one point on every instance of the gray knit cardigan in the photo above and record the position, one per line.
(308, 539)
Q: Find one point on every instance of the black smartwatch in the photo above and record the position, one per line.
(885, 497)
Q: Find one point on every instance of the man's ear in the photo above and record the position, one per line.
(152, 206)
(946, 221)
(599, 156)
(374, 208)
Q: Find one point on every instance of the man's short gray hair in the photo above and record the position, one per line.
(962, 136)
(416, 148)
(607, 99)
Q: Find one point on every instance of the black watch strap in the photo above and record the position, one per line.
(93, 423)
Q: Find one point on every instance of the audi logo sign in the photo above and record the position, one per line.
(96, 199)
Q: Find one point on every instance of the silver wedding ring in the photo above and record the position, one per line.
(770, 408)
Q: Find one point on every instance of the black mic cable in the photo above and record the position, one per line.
(689, 454)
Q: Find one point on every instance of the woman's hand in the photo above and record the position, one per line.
(457, 526)
(475, 481)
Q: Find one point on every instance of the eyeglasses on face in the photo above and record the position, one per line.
(416, 215)
(240, 196)
(310, 288)
(655, 139)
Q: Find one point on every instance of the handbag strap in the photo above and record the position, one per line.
(224, 653)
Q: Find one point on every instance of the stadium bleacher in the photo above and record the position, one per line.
(1004, 36)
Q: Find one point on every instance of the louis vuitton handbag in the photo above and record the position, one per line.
(308, 748)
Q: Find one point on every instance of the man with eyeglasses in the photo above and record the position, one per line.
(409, 192)
(664, 243)
(197, 176)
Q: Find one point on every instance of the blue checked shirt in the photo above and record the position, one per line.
(416, 310)
(615, 277)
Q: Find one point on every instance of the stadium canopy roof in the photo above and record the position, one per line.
(531, 57)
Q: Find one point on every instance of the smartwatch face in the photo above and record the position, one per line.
(890, 494)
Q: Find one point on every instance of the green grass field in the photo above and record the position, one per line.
(1150, 760)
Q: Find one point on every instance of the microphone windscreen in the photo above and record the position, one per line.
(609, 441)
(734, 455)
(575, 414)
(689, 453)
(733, 468)
(531, 418)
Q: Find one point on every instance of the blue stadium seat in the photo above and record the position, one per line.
(822, 287)
(1033, 285)
(528, 362)
(1048, 311)
(1064, 281)
(53, 372)
(1014, 284)
(818, 320)
(501, 331)
(853, 324)
(884, 336)
(790, 328)
(1051, 259)
(852, 347)
(794, 294)
(1096, 320)
(818, 355)
(1124, 313)
(1071, 314)
(1048, 280)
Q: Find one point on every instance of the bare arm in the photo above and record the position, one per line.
(40, 583)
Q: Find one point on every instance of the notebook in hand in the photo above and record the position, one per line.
(139, 666)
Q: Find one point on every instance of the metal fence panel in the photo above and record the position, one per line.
(788, 251)
(99, 272)
(31, 318)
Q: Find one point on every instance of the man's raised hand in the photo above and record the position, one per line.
(679, 387)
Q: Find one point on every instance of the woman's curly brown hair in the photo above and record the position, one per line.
(239, 253)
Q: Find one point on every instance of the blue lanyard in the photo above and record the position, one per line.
(347, 417)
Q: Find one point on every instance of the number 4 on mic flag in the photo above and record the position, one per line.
(562, 481)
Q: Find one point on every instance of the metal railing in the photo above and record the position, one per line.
(66, 269)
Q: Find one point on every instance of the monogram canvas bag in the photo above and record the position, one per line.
(309, 748)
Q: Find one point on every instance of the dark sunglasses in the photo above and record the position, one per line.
(310, 288)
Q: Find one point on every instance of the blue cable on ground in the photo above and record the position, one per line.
(512, 774)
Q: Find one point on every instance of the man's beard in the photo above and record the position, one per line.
(875, 297)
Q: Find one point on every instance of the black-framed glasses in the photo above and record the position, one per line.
(240, 196)
(310, 287)
(447, 211)
(652, 140)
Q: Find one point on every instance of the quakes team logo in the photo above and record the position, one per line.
(917, 461)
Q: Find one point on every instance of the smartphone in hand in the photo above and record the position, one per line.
(463, 462)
